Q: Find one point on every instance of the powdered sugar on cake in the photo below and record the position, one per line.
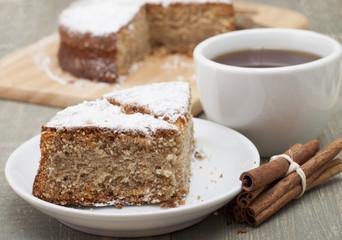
(102, 114)
(99, 17)
(168, 99)
(103, 17)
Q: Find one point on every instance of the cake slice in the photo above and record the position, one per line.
(98, 153)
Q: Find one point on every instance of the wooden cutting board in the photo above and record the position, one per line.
(251, 15)
(31, 74)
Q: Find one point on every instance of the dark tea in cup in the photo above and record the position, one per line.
(265, 58)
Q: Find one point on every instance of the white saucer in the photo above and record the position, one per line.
(215, 181)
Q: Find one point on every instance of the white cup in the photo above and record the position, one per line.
(274, 107)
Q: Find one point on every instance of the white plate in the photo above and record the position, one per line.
(215, 181)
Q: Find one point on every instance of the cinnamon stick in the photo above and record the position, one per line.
(245, 198)
(239, 214)
(328, 173)
(231, 205)
(329, 170)
(288, 183)
(277, 169)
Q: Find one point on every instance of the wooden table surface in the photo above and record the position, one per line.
(317, 215)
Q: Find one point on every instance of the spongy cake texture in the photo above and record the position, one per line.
(96, 153)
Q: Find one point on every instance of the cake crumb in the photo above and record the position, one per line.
(118, 206)
(221, 176)
(198, 155)
(198, 197)
(181, 202)
(169, 204)
(242, 230)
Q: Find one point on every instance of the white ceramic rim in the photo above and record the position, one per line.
(199, 55)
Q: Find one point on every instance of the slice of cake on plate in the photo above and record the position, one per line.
(126, 153)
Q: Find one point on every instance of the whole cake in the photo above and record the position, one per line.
(101, 39)
(119, 151)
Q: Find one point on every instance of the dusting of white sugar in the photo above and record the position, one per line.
(103, 17)
(102, 114)
(166, 99)
(99, 17)
(46, 66)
